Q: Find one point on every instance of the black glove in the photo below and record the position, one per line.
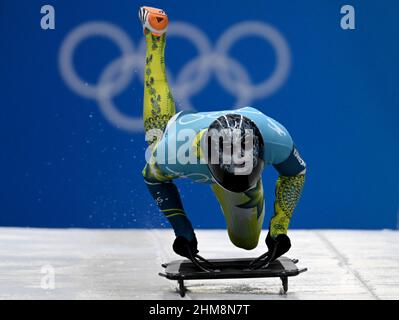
(185, 248)
(283, 245)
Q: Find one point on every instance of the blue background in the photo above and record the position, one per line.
(64, 165)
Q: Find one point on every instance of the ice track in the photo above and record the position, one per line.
(124, 264)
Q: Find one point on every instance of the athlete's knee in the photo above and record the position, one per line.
(247, 243)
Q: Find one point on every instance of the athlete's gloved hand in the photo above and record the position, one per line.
(281, 244)
(185, 248)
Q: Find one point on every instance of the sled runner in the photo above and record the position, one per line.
(181, 270)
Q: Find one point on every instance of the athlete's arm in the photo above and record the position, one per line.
(288, 191)
(167, 198)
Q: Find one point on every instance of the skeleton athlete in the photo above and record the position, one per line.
(248, 136)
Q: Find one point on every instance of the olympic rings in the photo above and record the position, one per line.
(193, 76)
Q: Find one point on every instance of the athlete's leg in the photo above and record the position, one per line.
(159, 105)
(244, 213)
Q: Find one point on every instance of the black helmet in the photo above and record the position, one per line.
(235, 170)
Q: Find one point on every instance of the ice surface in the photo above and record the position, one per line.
(124, 264)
